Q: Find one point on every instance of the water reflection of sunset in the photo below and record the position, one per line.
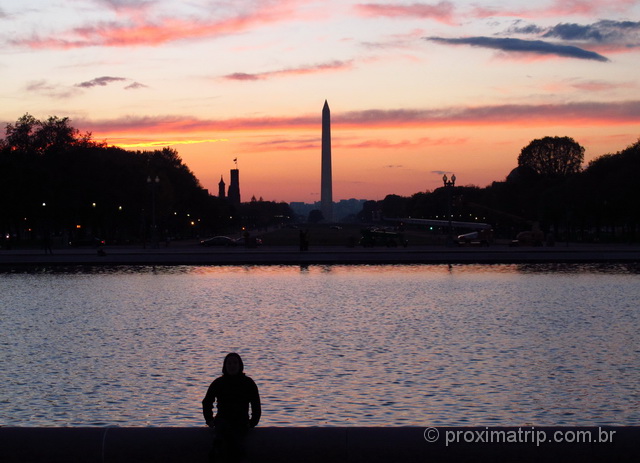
(327, 345)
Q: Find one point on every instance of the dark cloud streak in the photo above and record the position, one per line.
(512, 45)
(135, 86)
(100, 82)
(600, 32)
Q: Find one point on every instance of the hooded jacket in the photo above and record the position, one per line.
(233, 394)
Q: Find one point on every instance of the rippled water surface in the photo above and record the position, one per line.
(327, 346)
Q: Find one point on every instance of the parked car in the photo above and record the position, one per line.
(219, 241)
(482, 237)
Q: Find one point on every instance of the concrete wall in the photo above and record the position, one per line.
(348, 445)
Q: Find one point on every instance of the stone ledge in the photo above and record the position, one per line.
(323, 444)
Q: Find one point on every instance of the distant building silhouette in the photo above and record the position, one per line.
(341, 209)
(234, 187)
(221, 185)
(326, 183)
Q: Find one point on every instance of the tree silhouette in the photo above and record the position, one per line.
(32, 136)
(55, 178)
(552, 156)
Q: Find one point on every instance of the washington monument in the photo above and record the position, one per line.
(326, 188)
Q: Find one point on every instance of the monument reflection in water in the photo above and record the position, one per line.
(328, 346)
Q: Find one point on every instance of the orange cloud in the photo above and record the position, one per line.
(182, 125)
(281, 146)
(152, 143)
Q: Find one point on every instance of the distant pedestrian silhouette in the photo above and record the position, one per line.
(234, 392)
(304, 240)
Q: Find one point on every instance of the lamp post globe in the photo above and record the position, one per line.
(448, 185)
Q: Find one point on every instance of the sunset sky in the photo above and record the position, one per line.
(416, 88)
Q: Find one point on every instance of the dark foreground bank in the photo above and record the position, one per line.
(328, 255)
(348, 445)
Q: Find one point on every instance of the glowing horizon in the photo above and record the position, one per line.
(415, 88)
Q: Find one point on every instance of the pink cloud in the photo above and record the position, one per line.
(129, 7)
(591, 86)
(310, 144)
(602, 86)
(560, 8)
(140, 31)
(302, 70)
(614, 48)
(442, 11)
(590, 7)
(583, 113)
(590, 113)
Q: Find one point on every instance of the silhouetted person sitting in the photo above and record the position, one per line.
(233, 392)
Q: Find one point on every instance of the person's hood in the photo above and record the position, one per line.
(224, 364)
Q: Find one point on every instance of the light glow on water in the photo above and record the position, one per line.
(327, 345)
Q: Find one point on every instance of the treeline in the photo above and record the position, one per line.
(58, 183)
(547, 190)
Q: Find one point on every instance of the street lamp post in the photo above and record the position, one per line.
(153, 183)
(448, 185)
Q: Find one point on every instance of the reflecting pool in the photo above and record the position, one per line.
(476, 345)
